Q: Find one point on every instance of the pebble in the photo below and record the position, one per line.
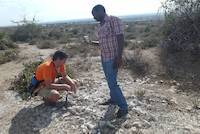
(90, 125)
(134, 130)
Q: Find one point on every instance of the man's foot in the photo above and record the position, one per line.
(122, 113)
(108, 102)
(49, 103)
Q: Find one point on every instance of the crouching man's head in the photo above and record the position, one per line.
(59, 58)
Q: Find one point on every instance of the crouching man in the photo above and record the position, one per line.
(45, 82)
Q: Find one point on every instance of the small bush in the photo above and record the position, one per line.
(2, 35)
(196, 102)
(27, 32)
(46, 44)
(136, 63)
(74, 49)
(8, 55)
(33, 42)
(147, 29)
(22, 81)
(55, 34)
(130, 36)
(5, 42)
(150, 42)
(65, 39)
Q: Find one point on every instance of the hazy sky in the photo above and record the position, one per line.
(54, 10)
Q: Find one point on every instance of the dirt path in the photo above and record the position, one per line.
(162, 109)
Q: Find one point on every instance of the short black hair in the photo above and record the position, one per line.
(59, 55)
(99, 8)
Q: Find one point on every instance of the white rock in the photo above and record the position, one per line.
(134, 130)
(66, 115)
(89, 125)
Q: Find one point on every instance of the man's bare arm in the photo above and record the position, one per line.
(70, 81)
(51, 85)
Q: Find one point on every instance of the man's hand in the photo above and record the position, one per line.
(118, 62)
(67, 87)
(73, 85)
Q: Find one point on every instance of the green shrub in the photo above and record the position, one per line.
(46, 44)
(150, 42)
(181, 31)
(147, 29)
(33, 42)
(55, 34)
(2, 35)
(27, 32)
(5, 42)
(22, 81)
(8, 55)
(65, 39)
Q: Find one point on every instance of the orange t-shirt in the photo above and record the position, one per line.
(47, 71)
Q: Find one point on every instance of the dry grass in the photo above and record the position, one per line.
(8, 55)
(136, 63)
(22, 81)
(46, 44)
(140, 94)
(196, 102)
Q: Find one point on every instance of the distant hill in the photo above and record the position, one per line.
(128, 18)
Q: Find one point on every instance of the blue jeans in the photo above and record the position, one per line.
(115, 91)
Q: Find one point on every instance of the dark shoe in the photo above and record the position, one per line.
(108, 102)
(122, 113)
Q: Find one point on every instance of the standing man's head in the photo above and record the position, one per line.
(59, 58)
(98, 12)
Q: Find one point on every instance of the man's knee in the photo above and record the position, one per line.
(55, 95)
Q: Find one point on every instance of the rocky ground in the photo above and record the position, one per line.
(155, 106)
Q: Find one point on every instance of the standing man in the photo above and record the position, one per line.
(111, 40)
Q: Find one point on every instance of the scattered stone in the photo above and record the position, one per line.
(128, 125)
(151, 118)
(161, 81)
(103, 124)
(90, 126)
(84, 131)
(134, 130)
(121, 131)
(86, 39)
(137, 124)
(146, 124)
(66, 115)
